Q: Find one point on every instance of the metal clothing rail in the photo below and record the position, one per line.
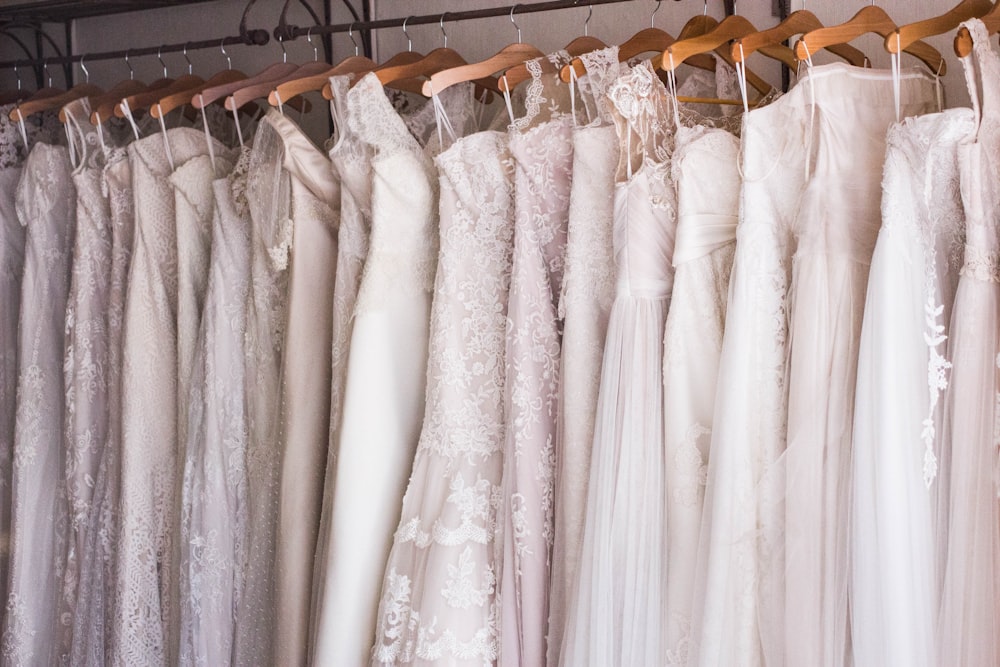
(291, 31)
(288, 32)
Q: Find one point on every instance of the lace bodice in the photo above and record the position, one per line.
(643, 114)
(603, 69)
(981, 164)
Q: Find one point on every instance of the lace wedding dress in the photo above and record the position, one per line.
(33, 631)
(902, 373)
(214, 502)
(835, 229)
(305, 381)
(12, 239)
(87, 413)
(267, 196)
(542, 149)
(616, 617)
(439, 600)
(93, 623)
(146, 547)
(969, 622)
(585, 304)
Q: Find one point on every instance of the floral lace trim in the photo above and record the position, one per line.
(981, 265)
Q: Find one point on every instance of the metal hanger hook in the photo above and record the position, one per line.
(441, 25)
(284, 52)
(409, 41)
(704, 10)
(131, 72)
(222, 47)
(86, 72)
(18, 75)
(586, 23)
(516, 26)
(185, 52)
(309, 38)
(350, 33)
(652, 17)
(48, 74)
(159, 56)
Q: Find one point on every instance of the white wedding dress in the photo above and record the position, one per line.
(835, 228)
(902, 374)
(969, 620)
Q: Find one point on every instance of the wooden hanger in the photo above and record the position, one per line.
(269, 73)
(147, 98)
(291, 90)
(48, 102)
(870, 19)
(177, 98)
(507, 57)
(938, 25)
(963, 40)
(408, 77)
(246, 93)
(796, 23)
(731, 28)
(716, 39)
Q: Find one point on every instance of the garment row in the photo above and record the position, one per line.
(605, 380)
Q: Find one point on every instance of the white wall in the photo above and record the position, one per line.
(475, 39)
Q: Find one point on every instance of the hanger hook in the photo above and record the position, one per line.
(18, 75)
(652, 17)
(516, 27)
(185, 52)
(222, 47)
(284, 52)
(350, 33)
(704, 10)
(586, 24)
(159, 56)
(131, 72)
(309, 38)
(409, 41)
(441, 25)
(86, 72)
(48, 74)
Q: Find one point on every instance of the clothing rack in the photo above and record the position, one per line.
(288, 32)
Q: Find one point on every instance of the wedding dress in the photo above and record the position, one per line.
(33, 631)
(12, 239)
(87, 412)
(706, 170)
(93, 623)
(146, 548)
(616, 613)
(969, 619)
(588, 289)
(835, 228)
(266, 192)
(386, 370)
(541, 146)
(902, 373)
(438, 601)
(305, 381)
(214, 503)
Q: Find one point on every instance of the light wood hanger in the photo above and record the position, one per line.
(796, 23)
(870, 19)
(507, 57)
(504, 59)
(938, 25)
(289, 91)
(408, 77)
(147, 98)
(171, 101)
(39, 104)
(716, 39)
(246, 93)
(963, 40)
(580, 45)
